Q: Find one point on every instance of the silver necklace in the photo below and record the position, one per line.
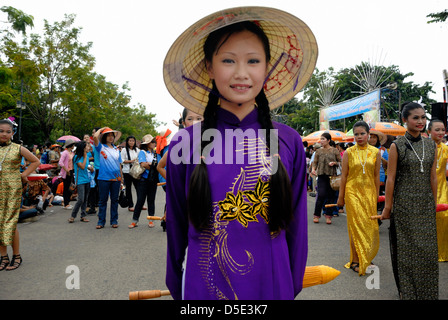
(362, 164)
(423, 156)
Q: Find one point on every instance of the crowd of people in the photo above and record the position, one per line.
(82, 176)
(404, 180)
(239, 230)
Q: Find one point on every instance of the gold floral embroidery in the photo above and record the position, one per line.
(260, 199)
(234, 207)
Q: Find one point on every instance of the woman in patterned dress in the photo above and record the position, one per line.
(411, 194)
(436, 129)
(360, 185)
(11, 192)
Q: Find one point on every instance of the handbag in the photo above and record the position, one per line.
(122, 199)
(335, 180)
(136, 170)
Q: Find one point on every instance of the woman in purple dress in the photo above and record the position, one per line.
(236, 183)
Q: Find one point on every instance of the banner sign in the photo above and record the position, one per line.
(362, 104)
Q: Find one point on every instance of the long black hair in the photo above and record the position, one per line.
(199, 200)
(79, 152)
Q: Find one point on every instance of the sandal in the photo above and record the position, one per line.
(15, 263)
(99, 226)
(84, 219)
(115, 226)
(328, 219)
(151, 224)
(132, 225)
(355, 266)
(4, 262)
(71, 220)
(316, 219)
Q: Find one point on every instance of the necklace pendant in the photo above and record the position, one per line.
(363, 170)
(421, 167)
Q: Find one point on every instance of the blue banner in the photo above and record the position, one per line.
(362, 104)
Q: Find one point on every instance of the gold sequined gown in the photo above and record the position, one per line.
(361, 204)
(442, 197)
(10, 192)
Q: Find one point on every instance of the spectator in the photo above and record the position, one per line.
(129, 154)
(66, 164)
(82, 181)
(110, 176)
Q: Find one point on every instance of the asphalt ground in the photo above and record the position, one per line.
(109, 263)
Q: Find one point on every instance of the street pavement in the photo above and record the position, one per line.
(109, 263)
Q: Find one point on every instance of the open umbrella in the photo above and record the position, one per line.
(65, 138)
(315, 136)
(390, 128)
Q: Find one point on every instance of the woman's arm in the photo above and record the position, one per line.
(34, 163)
(377, 173)
(344, 175)
(96, 136)
(161, 165)
(390, 182)
(82, 165)
(315, 163)
(434, 176)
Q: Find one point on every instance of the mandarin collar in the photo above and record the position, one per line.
(5, 144)
(411, 138)
(231, 119)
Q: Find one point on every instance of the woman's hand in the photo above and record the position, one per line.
(341, 202)
(385, 214)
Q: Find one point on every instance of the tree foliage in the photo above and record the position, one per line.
(53, 74)
(438, 16)
(303, 114)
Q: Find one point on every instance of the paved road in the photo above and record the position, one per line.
(113, 262)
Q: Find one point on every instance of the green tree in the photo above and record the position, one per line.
(53, 74)
(18, 19)
(303, 114)
(438, 17)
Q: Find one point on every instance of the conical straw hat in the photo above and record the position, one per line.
(293, 56)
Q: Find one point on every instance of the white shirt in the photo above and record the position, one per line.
(133, 153)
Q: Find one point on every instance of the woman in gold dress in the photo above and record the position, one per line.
(436, 129)
(11, 192)
(359, 189)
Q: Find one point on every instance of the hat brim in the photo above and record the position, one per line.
(116, 133)
(293, 56)
(147, 139)
(381, 136)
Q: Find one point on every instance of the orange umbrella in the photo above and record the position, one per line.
(390, 128)
(315, 136)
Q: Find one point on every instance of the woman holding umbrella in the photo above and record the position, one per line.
(360, 184)
(436, 129)
(411, 194)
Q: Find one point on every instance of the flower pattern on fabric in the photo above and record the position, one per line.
(260, 199)
(234, 207)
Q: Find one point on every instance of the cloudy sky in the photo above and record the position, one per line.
(131, 38)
